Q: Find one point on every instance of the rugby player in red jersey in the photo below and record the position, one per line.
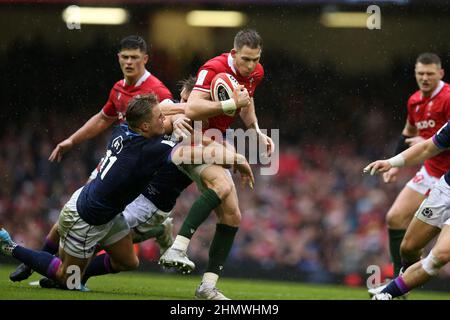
(216, 184)
(428, 110)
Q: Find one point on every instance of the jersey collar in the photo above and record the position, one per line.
(141, 79)
(436, 91)
(231, 64)
(128, 131)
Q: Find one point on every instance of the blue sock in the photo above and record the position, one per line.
(98, 266)
(40, 261)
(396, 287)
(49, 246)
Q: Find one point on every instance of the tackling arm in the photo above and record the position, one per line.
(200, 107)
(412, 156)
(170, 108)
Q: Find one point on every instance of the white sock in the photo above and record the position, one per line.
(181, 243)
(209, 279)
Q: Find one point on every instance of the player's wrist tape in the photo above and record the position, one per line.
(228, 106)
(397, 161)
(401, 145)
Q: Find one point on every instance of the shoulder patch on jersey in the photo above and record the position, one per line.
(117, 144)
(201, 77)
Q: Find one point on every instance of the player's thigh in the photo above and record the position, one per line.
(219, 179)
(122, 254)
(418, 235)
(403, 208)
(53, 235)
(143, 214)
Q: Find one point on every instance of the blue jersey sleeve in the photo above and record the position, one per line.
(157, 153)
(442, 138)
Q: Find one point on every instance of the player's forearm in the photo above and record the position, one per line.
(409, 130)
(216, 153)
(419, 152)
(248, 116)
(203, 109)
(93, 127)
(169, 109)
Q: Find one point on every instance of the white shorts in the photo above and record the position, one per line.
(142, 214)
(422, 182)
(80, 239)
(435, 210)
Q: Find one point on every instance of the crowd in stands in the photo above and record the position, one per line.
(319, 215)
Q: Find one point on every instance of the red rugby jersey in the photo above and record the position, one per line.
(428, 115)
(224, 63)
(121, 93)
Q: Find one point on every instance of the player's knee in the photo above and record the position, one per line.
(131, 264)
(396, 219)
(221, 186)
(408, 248)
(231, 218)
(433, 263)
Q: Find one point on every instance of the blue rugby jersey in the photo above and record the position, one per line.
(166, 186)
(129, 164)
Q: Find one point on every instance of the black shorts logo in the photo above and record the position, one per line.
(427, 212)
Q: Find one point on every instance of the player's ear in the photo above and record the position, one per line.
(442, 73)
(233, 53)
(145, 59)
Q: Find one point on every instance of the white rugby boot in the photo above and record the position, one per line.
(209, 293)
(175, 258)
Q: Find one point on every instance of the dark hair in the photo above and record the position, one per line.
(187, 83)
(249, 38)
(139, 109)
(429, 58)
(133, 42)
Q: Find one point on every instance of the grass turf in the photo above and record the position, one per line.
(169, 286)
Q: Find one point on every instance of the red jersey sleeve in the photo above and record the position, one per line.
(163, 93)
(204, 79)
(109, 109)
(260, 75)
(410, 111)
(447, 107)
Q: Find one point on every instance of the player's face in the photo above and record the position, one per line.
(157, 122)
(246, 59)
(428, 77)
(132, 62)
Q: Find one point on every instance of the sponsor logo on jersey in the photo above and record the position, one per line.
(425, 124)
(418, 178)
(117, 144)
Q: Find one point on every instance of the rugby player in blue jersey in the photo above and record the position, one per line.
(148, 216)
(432, 218)
(92, 216)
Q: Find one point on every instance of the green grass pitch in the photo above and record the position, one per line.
(164, 286)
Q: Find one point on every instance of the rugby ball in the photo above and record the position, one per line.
(222, 86)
